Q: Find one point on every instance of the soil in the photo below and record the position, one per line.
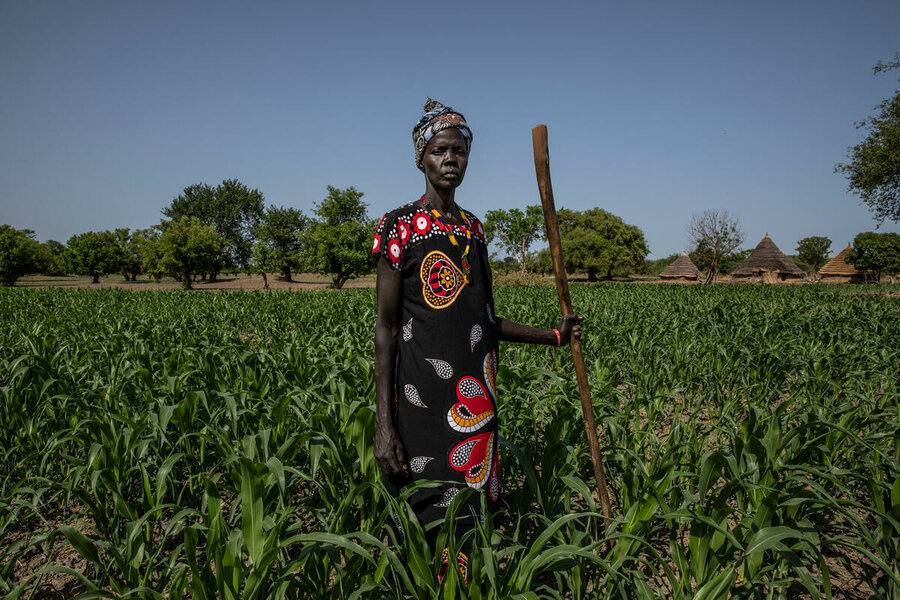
(301, 281)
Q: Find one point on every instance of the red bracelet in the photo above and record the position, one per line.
(558, 338)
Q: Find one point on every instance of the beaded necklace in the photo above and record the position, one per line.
(464, 254)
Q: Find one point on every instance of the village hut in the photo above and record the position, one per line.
(681, 269)
(838, 270)
(767, 264)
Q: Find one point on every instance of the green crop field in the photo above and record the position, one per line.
(218, 445)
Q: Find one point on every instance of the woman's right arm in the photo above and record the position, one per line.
(389, 450)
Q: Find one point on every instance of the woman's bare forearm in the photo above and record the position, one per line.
(510, 331)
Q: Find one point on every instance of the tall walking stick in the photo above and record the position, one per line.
(542, 168)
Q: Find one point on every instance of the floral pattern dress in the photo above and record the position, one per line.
(446, 372)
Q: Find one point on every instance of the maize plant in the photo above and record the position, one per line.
(177, 445)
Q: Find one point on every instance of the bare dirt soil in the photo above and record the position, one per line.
(301, 281)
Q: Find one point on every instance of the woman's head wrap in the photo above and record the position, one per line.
(437, 118)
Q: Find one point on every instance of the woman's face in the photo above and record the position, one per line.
(445, 159)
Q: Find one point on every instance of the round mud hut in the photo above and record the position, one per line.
(767, 264)
(681, 269)
(838, 270)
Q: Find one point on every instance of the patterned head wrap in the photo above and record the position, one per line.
(437, 118)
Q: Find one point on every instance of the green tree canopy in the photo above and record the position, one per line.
(188, 247)
(879, 252)
(146, 242)
(232, 209)
(873, 172)
(657, 266)
(339, 242)
(542, 262)
(280, 231)
(130, 263)
(813, 251)
(264, 261)
(597, 241)
(514, 230)
(19, 253)
(702, 257)
(53, 258)
(94, 253)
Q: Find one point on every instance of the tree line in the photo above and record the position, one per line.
(229, 229)
(594, 241)
(598, 243)
(207, 231)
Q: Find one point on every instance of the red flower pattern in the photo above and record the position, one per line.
(421, 223)
(395, 252)
(403, 232)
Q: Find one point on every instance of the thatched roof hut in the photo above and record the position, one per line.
(682, 268)
(768, 264)
(838, 270)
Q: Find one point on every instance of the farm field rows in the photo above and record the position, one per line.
(189, 445)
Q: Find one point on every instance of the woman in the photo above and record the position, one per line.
(436, 335)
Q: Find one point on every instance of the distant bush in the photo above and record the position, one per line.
(517, 279)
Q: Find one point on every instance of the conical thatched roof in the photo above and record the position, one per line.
(766, 257)
(683, 267)
(839, 267)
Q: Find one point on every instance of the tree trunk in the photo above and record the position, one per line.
(286, 274)
(186, 282)
(592, 274)
(95, 279)
(265, 281)
(713, 273)
(156, 278)
(212, 277)
(609, 274)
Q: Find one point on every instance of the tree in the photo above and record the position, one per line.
(94, 253)
(515, 231)
(503, 266)
(130, 263)
(264, 261)
(873, 172)
(597, 241)
(280, 230)
(232, 209)
(813, 251)
(879, 252)
(702, 257)
(19, 254)
(146, 243)
(53, 258)
(542, 262)
(655, 267)
(718, 233)
(338, 243)
(188, 247)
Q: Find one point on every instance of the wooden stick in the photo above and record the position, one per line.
(542, 169)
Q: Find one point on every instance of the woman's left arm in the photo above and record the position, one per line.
(510, 331)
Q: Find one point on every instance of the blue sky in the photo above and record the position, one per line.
(655, 110)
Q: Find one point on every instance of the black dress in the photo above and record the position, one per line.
(445, 377)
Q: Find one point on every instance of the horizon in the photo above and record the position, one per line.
(655, 112)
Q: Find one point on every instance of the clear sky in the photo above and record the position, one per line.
(655, 110)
